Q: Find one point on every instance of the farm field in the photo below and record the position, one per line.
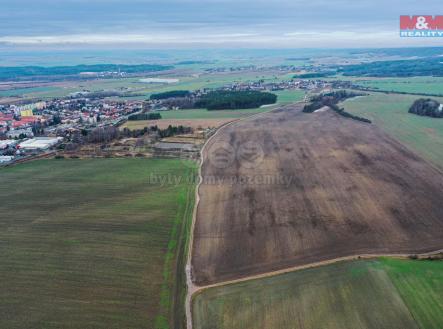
(205, 114)
(420, 284)
(203, 118)
(423, 135)
(424, 85)
(164, 123)
(384, 293)
(27, 91)
(195, 118)
(289, 96)
(313, 187)
(92, 243)
(187, 81)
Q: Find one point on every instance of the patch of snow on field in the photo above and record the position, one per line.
(323, 109)
(158, 80)
(266, 105)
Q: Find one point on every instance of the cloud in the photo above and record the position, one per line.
(315, 23)
(296, 39)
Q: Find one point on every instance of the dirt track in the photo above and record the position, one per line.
(324, 187)
(164, 123)
(198, 289)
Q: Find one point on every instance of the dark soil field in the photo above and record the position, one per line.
(290, 188)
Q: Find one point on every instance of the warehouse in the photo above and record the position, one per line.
(40, 143)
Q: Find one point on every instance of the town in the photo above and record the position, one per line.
(29, 130)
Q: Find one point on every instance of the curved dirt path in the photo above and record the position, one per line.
(198, 289)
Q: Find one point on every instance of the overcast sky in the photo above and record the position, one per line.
(218, 23)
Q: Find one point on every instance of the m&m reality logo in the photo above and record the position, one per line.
(421, 26)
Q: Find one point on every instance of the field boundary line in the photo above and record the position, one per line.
(199, 289)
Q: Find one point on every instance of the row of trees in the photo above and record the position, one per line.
(109, 133)
(345, 114)
(170, 94)
(329, 99)
(313, 75)
(145, 116)
(173, 130)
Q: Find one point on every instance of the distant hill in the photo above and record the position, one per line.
(400, 68)
(18, 72)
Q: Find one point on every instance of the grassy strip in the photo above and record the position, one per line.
(180, 288)
(172, 297)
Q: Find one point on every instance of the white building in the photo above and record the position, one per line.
(6, 143)
(40, 143)
(5, 158)
(16, 133)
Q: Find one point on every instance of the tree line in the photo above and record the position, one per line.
(328, 99)
(220, 99)
(170, 94)
(331, 100)
(145, 116)
(427, 107)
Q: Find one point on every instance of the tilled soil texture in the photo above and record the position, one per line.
(290, 188)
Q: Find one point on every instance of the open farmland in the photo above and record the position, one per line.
(92, 243)
(188, 80)
(164, 123)
(308, 188)
(424, 135)
(196, 118)
(424, 85)
(420, 284)
(385, 293)
(417, 85)
(205, 114)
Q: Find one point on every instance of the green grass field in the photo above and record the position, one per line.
(92, 243)
(28, 92)
(377, 294)
(289, 96)
(420, 284)
(416, 85)
(424, 135)
(425, 85)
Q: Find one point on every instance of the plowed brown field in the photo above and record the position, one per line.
(290, 188)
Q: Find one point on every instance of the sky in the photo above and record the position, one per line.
(211, 23)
